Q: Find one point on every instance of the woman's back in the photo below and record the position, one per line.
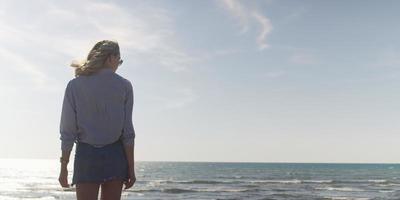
(103, 105)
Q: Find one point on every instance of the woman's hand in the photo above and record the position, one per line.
(63, 178)
(132, 178)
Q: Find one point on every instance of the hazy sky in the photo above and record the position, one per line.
(262, 81)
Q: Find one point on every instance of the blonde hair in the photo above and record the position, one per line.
(96, 58)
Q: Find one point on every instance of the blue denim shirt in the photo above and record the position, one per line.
(97, 109)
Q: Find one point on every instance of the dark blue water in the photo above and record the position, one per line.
(175, 180)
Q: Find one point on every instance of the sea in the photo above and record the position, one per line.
(38, 179)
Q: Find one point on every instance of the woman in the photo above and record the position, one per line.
(97, 116)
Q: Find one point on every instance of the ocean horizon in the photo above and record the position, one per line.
(38, 179)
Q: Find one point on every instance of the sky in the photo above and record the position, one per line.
(214, 80)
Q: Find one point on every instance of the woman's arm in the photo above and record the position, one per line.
(130, 155)
(68, 122)
(128, 136)
(68, 132)
(128, 132)
(65, 156)
(129, 152)
(63, 177)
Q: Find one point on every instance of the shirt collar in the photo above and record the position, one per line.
(105, 70)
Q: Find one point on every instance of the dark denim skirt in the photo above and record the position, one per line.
(99, 164)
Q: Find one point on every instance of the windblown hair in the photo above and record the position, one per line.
(96, 58)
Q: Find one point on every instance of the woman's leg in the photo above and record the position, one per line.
(111, 190)
(87, 191)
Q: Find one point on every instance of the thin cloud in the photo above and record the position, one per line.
(239, 12)
(266, 28)
(246, 16)
(36, 46)
(16, 62)
(64, 31)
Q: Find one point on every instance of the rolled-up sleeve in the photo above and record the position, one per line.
(128, 132)
(68, 122)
